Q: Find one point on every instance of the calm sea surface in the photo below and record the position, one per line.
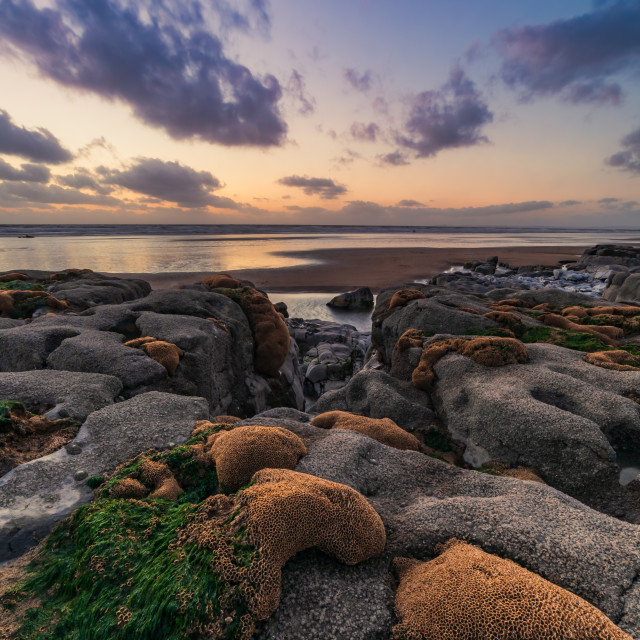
(158, 248)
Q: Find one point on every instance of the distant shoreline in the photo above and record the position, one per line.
(343, 269)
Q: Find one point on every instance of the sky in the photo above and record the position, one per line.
(372, 112)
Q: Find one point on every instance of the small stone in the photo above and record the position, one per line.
(78, 476)
(73, 449)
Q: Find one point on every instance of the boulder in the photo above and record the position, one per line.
(378, 395)
(37, 495)
(28, 346)
(556, 414)
(63, 394)
(93, 289)
(357, 300)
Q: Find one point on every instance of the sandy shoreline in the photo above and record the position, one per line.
(340, 270)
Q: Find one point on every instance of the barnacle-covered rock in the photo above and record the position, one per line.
(222, 280)
(467, 594)
(607, 334)
(165, 353)
(618, 360)
(287, 512)
(489, 351)
(239, 453)
(383, 430)
(404, 296)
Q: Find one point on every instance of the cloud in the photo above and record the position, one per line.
(169, 181)
(608, 200)
(569, 203)
(324, 187)
(450, 117)
(409, 203)
(28, 172)
(20, 192)
(296, 87)
(158, 59)
(574, 58)
(629, 159)
(83, 180)
(358, 81)
(38, 145)
(365, 132)
(395, 158)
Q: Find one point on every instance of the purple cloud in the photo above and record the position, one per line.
(297, 88)
(573, 58)
(83, 180)
(395, 158)
(39, 145)
(28, 173)
(358, 81)
(410, 203)
(629, 159)
(167, 67)
(169, 181)
(450, 117)
(365, 132)
(324, 187)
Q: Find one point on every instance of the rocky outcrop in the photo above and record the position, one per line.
(36, 495)
(330, 353)
(357, 300)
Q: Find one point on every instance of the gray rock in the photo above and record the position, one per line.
(10, 323)
(378, 395)
(556, 414)
(27, 347)
(38, 494)
(93, 289)
(361, 298)
(423, 502)
(65, 394)
(623, 288)
(103, 352)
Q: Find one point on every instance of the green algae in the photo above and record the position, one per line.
(120, 569)
(21, 285)
(7, 407)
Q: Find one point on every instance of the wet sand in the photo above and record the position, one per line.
(341, 270)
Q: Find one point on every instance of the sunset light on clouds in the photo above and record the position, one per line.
(363, 112)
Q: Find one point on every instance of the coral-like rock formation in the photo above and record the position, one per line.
(467, 594)
(287, 512)
(222, 281)
(165, 353)
(608, 335)
(239, 453)
(490, 351)
(403, 296)
(617, 360)
(267, 325)
(383, 430)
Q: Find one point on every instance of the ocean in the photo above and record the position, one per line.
(184, 248)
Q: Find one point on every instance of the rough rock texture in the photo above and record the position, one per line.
(383, 430)
(357, 299)
(556, 414)
(424, 502)
(27, 347)
(92, 289)
(378, 395)
(36, 495)
(489, 352)
(330, 353)
(239, 453)
(63, 394)
(288, 512)
(467, 594)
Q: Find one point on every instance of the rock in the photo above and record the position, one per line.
(556, 414)
(27, 347)
(623, 288)
(281, 307)
(377, 395)
(36, 495)
(93, 289)
(423, 502)
(64, 393)
(103, 352)
(358, 299)
(330, 353)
